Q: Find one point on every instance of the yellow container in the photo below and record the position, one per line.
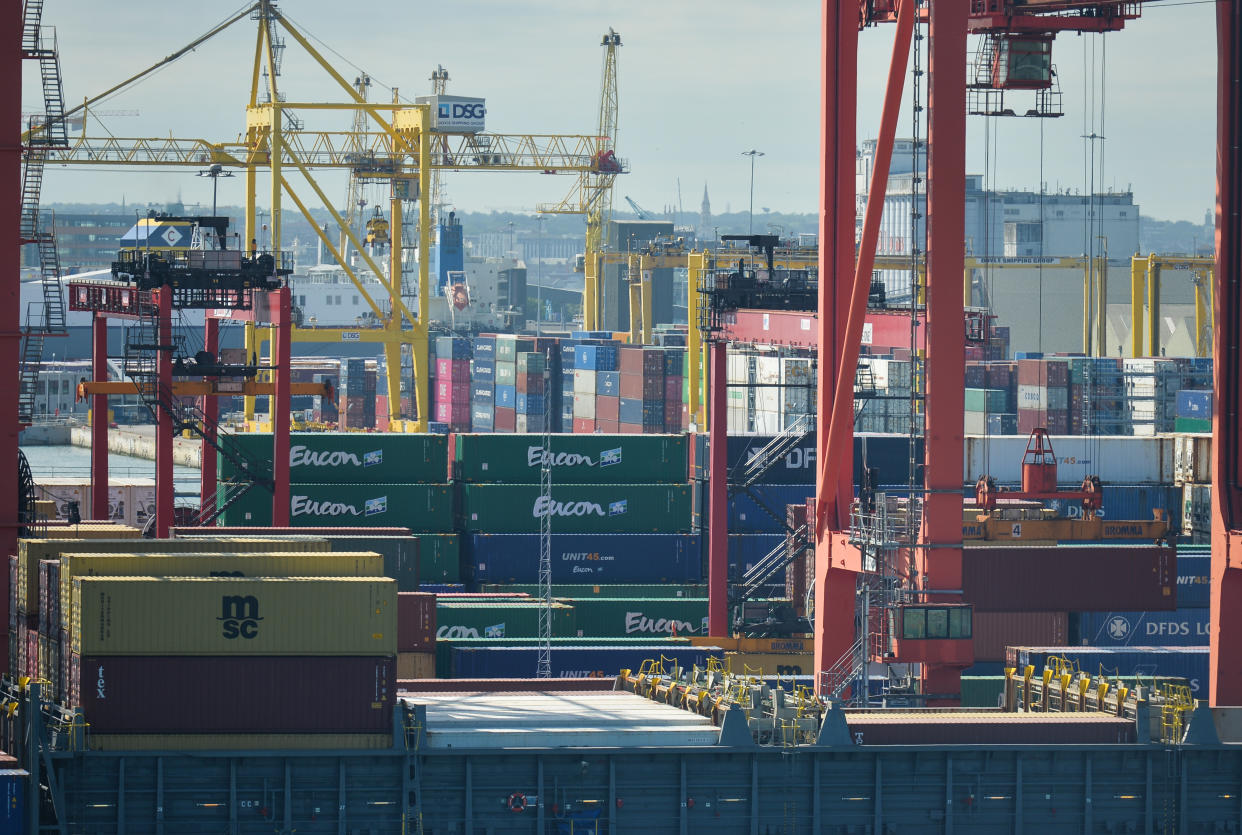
(230, 616)
(416, 665)
(771, 646)
(770, 664)
(30, 551)
(276, 564)
(87, 530)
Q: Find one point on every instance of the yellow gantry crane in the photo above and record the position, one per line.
(398, 142)
(592, 194)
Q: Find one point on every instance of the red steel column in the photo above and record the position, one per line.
(835, 563)
(718, 495)
(164, 487)
(99, 419)
(281, 403)
(946, 336)
(211, 413)
(1225, 678)
(10, 303)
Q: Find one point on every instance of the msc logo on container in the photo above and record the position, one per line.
(239, 616)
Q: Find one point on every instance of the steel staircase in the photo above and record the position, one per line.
(51, 133)
(746, 473)
(141, 364)
(772, 563)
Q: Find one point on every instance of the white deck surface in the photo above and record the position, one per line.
(558, 720)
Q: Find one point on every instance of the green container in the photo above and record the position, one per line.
(982, 691)
(625, 590)
(531, 362)
(506, 374)
(445, 647)
(497, 619)
(993, 401)
(439, 557)
(423, 508)
(577, 508)
(507, 458)
(1182, 424)
(509, 346)
(639, 617)
(350, 457)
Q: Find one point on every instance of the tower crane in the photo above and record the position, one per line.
(354, 201)
(439, 84)
(592, 195)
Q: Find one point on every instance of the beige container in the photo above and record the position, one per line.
(277, 564)
(416, 665)
(30, 551)
(227, 616)
(91, 530)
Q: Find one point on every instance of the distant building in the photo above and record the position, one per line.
(704, 231)
(86, 241)
(1011, 224)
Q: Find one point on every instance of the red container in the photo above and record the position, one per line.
(416, 622)
(993, 631)
(10, 599)
(631, 428)
(505, 420)
(795, 570)
(234, 694)
(899, 727)
(673, 413)
(32, 652)
(455, 370)
(584, 426)
(1084, 578)
(672, 389)
(630, 359)
(608, 426)
(1001, 375)
(631, 386)
(452, 391)
(607, 409)
(454, 413)
(1031, 419)
(531, 384)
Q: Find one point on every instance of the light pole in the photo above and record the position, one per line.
(215, 172)
(752, 153)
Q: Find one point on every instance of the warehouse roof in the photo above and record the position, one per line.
(558, 720)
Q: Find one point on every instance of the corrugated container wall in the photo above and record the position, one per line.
(351, 457)
(577, 508)
(575, 459)
(993, 631)
(587, 558)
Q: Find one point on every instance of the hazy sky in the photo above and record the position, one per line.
(699, 83)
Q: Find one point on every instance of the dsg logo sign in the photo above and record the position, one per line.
(455, 114)
(457, 110)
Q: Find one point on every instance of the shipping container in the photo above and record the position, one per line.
(234, 693)
(1194, 577)
(31, 551)
(575, 459)
(424, 508)
(414, 665)
(573, 662)
(1116, 460)
(993, 631)
(1127, 501)
(13, 794)
(577, 508)
(628, 617)
(576, 590)
(1185, 627)
(265, 616)
(500, 619)
(238, 742)
(889, 454)
(762, 508)
(587, 558)
(446, 646)
(1148, 662)
(359, 564)
(1096, 578)
(349, 457)
(416, 622)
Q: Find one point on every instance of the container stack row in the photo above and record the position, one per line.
(358, 394)
(630, 389)
(768, 393)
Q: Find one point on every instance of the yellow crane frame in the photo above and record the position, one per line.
(1146, 274)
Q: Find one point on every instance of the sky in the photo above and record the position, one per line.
(699, 83)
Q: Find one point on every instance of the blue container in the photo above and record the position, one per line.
(482, 417)
(608, 383)
(531, 404)
(747, 549)
(1190, 663)
(1127, 502)
(483, 371)
(1028, 355)
(437, 428)
(442, 588)
(567, 382)
(483, 393)
(889, 454)
(485, 347)
(1183, 628)
(595, 357)
(572, 662)
(747, 516)
(567, 355)
(1194, 580)
(673, 362)
(13, 797)
(506, 397)
(630, 410)
(1194, 404)
(587, 558)
(453, 347)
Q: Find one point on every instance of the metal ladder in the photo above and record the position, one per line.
(775, 561)
(747, 473)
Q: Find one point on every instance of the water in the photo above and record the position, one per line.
(75, 462)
